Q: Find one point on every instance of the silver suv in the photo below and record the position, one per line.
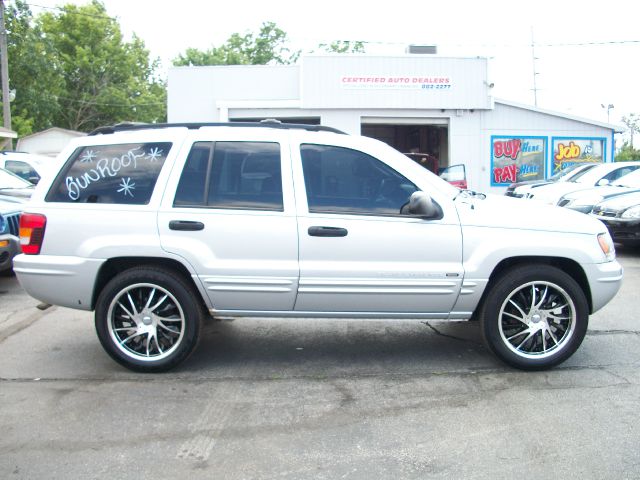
(158, 227)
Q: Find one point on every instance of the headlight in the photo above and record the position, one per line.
(606, 244)
(633, 212)
(4, 226)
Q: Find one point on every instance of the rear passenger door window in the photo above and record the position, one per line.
(232, 175)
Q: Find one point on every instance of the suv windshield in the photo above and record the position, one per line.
(571, 171)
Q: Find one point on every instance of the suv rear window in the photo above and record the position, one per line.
(124, 173)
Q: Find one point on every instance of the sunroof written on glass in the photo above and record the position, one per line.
(124, 173)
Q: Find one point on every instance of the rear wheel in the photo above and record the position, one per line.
(148, 319)
(534, 317)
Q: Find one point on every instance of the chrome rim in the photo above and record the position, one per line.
(537, 320)
(146, 322)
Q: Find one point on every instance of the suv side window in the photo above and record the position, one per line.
(235, 175)
(22, 169)
(120, 174)
(341, 180)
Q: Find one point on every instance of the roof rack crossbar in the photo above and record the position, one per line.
(123, 127)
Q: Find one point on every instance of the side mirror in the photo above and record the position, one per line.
(421, 205)
(603, 182)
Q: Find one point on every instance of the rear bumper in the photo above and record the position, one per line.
(58, 280)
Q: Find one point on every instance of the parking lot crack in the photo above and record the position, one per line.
(17, 327)
(596, 333)
(439, 333)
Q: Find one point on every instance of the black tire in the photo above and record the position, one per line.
(534, 317)
(148, 319)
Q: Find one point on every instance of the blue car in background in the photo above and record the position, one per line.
(9, 233)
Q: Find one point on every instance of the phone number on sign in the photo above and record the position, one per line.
(435, 87)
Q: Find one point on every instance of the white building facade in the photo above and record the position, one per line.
(439, 106)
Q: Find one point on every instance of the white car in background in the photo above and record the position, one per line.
(604, 174)
(25, 165)
(584, 200)
(520, 189)
(13, 186)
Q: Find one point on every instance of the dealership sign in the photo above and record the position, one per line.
(396, 82)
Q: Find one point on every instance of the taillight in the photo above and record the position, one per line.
(32, 227)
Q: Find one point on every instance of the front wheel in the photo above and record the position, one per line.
(148, 319)
(534, 317)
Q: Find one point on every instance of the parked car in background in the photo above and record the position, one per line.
(9, 232)
(13, 186)
(584, 200)
(602, 174)
(621, 215)
(25, 165)
(456, 175)
(519, 189)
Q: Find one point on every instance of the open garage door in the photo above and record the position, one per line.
(423, 138)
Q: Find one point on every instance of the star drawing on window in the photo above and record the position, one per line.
(127, 186)
(154, 154)
(88, 156)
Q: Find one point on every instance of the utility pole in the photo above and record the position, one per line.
(4, 76)
(533, 61)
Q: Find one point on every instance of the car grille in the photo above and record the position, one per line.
(13, 220)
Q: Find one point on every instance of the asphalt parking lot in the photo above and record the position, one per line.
(292, 399)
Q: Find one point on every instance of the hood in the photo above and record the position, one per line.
(551, 193)
(19, 193)
(507, 212)
(603, 192)
(528, 182)
(621, 202)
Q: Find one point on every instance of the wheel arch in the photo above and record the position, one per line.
(114, 266)
(571, 267)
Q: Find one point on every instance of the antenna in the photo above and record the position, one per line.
(533, 62)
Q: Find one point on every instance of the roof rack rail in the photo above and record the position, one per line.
(270, 123)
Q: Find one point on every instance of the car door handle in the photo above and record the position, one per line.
(187, 225)
(327, 232)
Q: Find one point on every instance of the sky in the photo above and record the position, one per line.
(587, 52)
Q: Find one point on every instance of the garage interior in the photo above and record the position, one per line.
(431, 140)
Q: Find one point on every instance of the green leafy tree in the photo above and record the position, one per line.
(632, 122)
(627, 153)
(106, 80)
(343, 46)
(33, 72)
(269, 46)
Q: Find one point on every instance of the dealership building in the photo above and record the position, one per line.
(438, 106)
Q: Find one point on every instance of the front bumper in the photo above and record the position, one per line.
(9, 248)
(605, 280)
